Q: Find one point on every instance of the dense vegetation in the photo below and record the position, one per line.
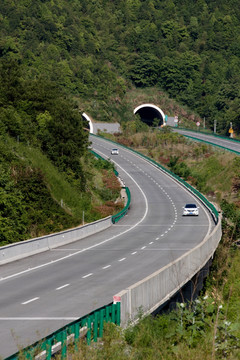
(98, 50)
(38, 197)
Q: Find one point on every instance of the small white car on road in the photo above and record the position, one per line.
(190, 209)
(114, 151)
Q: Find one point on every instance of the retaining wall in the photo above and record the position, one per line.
(26, 248)
(148, 294)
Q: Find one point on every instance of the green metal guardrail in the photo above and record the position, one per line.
(210, 206)
(212, 144)
(90, 326)
(206, 132)
(118, 216)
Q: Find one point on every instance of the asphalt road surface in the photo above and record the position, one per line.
(215, 140)
(44, 292)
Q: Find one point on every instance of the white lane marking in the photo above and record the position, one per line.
(143, 247)
(93, 246)
(29, 301)
(106, 267)
(85, 276)
(178, 184)
(62, 287)
(157, 238)
(37, 318)
(151, 243)
(133, 253)
(122, 259)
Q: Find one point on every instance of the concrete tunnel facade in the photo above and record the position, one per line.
(149, 112)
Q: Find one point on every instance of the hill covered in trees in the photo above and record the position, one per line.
(97, 50)
(61, 57)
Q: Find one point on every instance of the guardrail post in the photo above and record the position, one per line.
(30, 354)
(107, 314)
(95, 326)
(118, 304)
(76, 334)
(48, 347)
(89, 330)
(64, 344)
(113, 313)
(101, 322)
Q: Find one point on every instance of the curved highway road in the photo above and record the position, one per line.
(42, 293)
(215, 140)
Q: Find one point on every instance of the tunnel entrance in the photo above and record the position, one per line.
(89, 122)
(149, 112)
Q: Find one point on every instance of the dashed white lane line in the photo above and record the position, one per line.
(157, 238)
(62, 287)
(142, 248)
(133, 253)
(122, 259)
(151, 243)
(85, 276)
(106, 267)
(29, 301)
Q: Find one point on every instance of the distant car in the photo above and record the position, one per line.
(190, 209)
(114, 151)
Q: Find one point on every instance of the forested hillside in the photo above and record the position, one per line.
(61, 57)
(96, 50)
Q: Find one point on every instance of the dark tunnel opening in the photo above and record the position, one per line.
(148, 114)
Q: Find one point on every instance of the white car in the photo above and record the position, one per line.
(114, 151)
(190, 209)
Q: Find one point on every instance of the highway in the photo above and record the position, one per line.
(44, 292)
(215, 140)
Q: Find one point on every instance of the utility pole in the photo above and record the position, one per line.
(215, 126)
(204, 123)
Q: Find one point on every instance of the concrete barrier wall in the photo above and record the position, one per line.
(148, 294)
(26, 248)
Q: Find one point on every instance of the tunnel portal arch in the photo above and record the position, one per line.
(86, 117)
(149, 112)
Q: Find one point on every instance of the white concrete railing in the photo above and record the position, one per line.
(148, 294)
(30, 247)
